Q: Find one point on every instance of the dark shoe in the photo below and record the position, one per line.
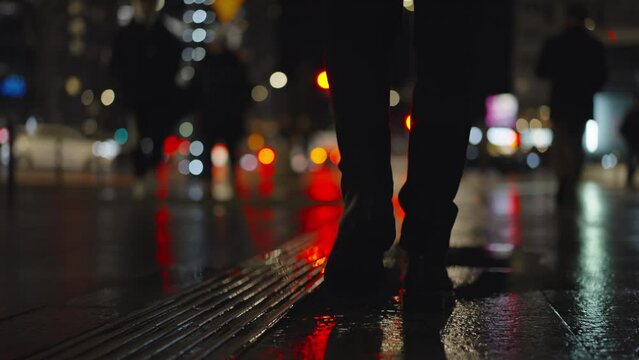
(354, 272)
(427, 287)
(355, 266)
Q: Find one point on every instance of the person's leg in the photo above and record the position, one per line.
(442, 111)
(577, 157)
(560, 155)
(358, 66)
(631, 164)
(568, 159)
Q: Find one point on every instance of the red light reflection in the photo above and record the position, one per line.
(313, 347)
(323, 221)
(324, 185)
(260, 223)
(162, 178)
(163, 251)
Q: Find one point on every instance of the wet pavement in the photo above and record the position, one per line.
(532, 281)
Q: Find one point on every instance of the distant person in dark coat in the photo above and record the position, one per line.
(574, 62)
(224, 97)
(630, 132)
(145, 62)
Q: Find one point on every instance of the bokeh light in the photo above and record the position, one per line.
(121, 136)
(198, 35)
(408, 122)
(318, 156)
(335, 156)
(533, 160)
(73, 86)
(107, 97)
(536, 124)
(4, 135)
(259, 93)
(394, 98)
(87, 97)
(196, 148)
(266, 156)
(183, 167)
(186, 129)
(475, 136)
(278, 80)
(196, 167)
(171, 144)
(248, 162)
(521, 125)
(31, 125)
(255, 142)
(220, 155)
(409, 5)
(299, 164)
(184, 147)
(322, 80)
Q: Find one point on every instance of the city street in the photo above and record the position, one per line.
(530, 279)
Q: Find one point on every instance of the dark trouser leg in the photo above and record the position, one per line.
(358, 66)
(142, 160)
(568, 158)
(631, 164)
(442, 110)
(358, 60)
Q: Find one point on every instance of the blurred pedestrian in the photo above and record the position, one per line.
(574, 62)
(224, 95)
(444, 103)
(145, 62)
(630, 132)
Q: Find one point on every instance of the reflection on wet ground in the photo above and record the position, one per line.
(532, 280)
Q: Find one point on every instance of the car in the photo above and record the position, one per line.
(49, 146)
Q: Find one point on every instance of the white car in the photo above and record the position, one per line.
(51, 145)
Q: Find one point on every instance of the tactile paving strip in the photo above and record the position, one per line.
(218, 318)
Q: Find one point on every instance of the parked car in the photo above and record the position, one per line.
(49, 146)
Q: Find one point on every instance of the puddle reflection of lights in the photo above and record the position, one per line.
(314, 345)
(593, 299)
(164, 255)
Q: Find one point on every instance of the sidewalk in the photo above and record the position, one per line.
(534, 282)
